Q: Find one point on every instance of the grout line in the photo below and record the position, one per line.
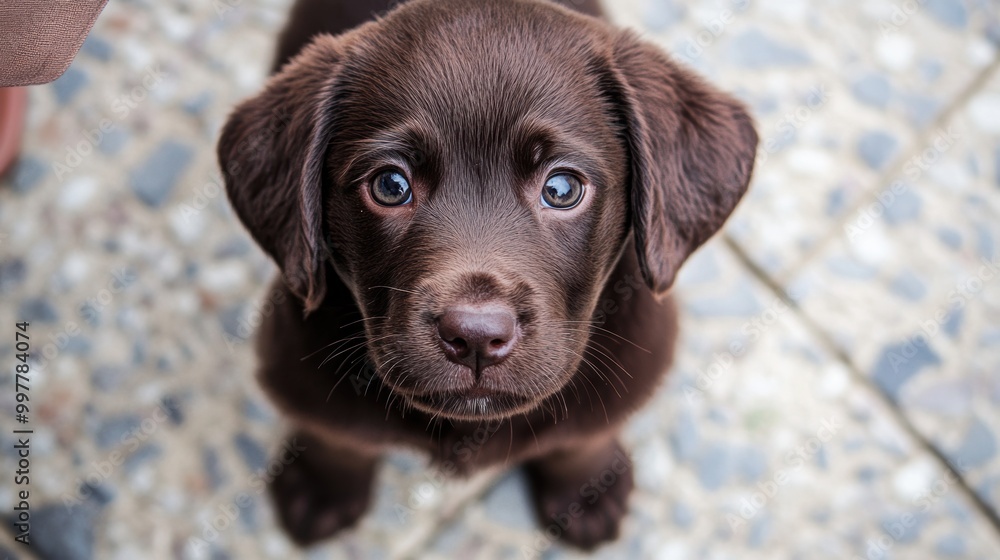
(984, 508)
(885, 179)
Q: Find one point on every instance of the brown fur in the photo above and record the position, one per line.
(477, 102)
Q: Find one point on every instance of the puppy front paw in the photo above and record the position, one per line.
(314, 506)
(583, 511)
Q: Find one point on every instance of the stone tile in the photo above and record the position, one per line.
(71, 83)
(909, 59)
(910, 291)
(66, 533)
(98, 48)
(815, 163)
(883, 87)
(825, 138)
(156, 178)
(760, 445)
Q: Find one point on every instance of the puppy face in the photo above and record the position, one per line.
(471, 172)
(477, 198)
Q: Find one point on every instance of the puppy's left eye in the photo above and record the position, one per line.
(390, 188)
(562, 191)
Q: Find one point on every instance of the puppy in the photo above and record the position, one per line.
(478, 209)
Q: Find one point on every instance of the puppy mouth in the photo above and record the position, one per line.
(475, 403)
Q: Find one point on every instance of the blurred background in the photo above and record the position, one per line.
(861, 274)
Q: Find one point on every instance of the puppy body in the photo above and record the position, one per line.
(565, 442)
(476, 104)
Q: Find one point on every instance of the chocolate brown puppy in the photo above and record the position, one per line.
(478, 209)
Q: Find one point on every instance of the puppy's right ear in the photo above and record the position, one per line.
(692, 150)
(272, 151)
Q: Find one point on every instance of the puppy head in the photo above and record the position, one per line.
(471, 172)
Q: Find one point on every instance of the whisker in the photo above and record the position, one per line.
(608, 355)
(606, 332)
(510, 444)
(600, 399)
(596, 370)
(341, 340)
(338, 341)
(361, 343)
(346, 373)
(343, 377)
(528, 421)
(387, 369)
(363, 319)
(613, 361)
(396, 289)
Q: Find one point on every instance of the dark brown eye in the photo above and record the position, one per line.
(562, 191)
(390, 188)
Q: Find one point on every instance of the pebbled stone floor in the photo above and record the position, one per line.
(860, 277)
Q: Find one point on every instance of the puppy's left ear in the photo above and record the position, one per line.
(272, 151)
(691, 150)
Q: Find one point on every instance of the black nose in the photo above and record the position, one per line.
(477, 336)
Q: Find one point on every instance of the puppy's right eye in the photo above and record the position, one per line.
(390, 188)
(562, 191)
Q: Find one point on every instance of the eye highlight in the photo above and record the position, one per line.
(562, 191)
(390, 188)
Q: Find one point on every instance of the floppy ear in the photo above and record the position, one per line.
(692, 151)
(272, 151)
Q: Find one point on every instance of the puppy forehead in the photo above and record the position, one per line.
(476, 68)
